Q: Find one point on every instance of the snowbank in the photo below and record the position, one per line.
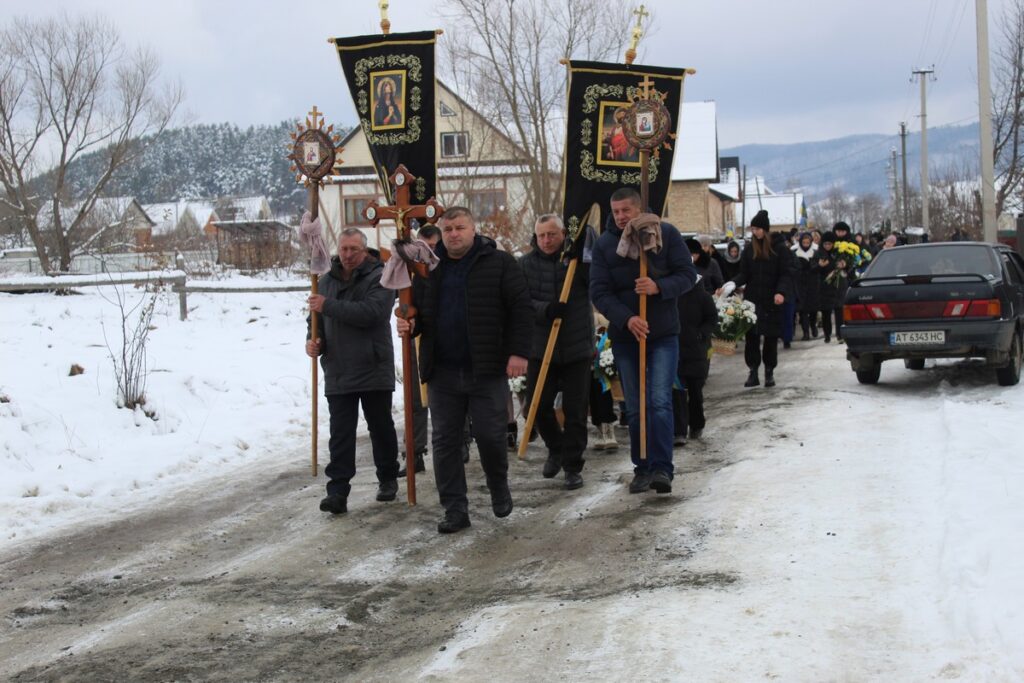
(229, 388)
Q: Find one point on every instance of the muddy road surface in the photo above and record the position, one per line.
(245, 579)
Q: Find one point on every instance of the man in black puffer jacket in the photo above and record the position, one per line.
(475, 321)
(359, 366)
(571, 362)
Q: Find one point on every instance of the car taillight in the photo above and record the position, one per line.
(855, 313)
(984, 308)
(879, 311)
(955, 309)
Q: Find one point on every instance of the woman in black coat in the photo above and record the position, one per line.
(832, 286)
(766, 273)
(808, 285)
(707, 267)
(730, 263)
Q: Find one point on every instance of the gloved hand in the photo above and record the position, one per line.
(727, 289)
(555, 310)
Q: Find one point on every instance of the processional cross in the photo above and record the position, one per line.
(402, 212)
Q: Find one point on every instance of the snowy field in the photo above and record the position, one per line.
(229, 388)
(821, 531)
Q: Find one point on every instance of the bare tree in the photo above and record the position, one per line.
(1008, 105)
(68, 87)
(867, 211)
(509, 52)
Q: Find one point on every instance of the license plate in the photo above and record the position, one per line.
(917, 338)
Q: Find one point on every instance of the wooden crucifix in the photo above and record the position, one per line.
(402, 213)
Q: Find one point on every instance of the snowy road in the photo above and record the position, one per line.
(823, 530)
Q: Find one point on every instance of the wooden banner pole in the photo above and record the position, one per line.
(645, 181)
(314, 210)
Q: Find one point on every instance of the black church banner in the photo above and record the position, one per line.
(391, 78)
(598, 157)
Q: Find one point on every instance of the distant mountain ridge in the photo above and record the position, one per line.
(857, 163)
(222, 160)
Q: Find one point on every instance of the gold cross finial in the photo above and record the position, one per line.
(385, 23)
(641, 14)
(314, 115)
(645, 87)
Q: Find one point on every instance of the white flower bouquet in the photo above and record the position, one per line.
(517, 385)
(735, 318)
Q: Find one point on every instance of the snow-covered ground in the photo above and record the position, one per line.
(864, 533)
(229, 387)
(825, 530)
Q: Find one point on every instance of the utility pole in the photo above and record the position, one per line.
(743, 204)
(895, 188)
(903, 142)
(922, 75)
(988, 190)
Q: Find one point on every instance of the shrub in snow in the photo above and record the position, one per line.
(129, 351)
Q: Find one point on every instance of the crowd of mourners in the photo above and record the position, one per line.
(482, 319)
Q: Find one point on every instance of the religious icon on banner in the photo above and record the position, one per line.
(645, 123)
(312, 153)
(387, 94)
(615, 149)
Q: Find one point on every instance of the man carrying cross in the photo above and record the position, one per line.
(615, 288)
(475, 322)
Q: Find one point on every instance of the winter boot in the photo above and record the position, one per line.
(769, 377)
(610, 442)
(752, 379)
(513, 434)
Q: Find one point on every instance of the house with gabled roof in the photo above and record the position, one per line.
(478, 166)
(112, 224)
(703, 188)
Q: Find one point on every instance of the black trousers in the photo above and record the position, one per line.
(344, 409)
(455, 394)
(565, 444)
(826, 320)
(808, 321)
(688, 404)
(602, 406)
(752, 351)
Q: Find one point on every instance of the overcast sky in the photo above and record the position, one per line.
(780, 71)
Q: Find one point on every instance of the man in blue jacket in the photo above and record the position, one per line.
(615, 289)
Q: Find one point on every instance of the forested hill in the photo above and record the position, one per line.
(204, 161)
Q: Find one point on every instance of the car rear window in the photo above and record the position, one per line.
(953, 259)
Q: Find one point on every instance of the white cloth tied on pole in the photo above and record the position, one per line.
(311, 236)
(405, 253)
(643, 232)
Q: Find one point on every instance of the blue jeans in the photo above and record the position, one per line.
(662, 358)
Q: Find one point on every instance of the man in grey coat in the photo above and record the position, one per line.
(358, 359)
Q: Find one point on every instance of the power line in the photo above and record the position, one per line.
(929, 22)
(952, 31)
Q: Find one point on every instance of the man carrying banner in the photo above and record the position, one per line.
(358, 359)
(475, 321)
(615, 288)
(570, 365)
